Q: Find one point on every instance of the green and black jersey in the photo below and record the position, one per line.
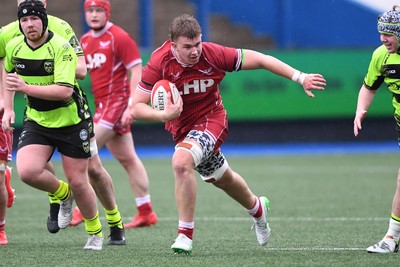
(54, 62)
(384, 67)
(56, 25)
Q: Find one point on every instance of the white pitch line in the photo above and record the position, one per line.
(315, 249)
(281, 219)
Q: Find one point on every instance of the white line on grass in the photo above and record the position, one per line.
(308, 219)
(280, 219)
(315, 249)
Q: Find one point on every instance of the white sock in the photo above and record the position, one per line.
(254, 210)
(394, 229)
(187, 225)
(142, 200)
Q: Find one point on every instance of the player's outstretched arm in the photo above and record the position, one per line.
(365, 98)
(311, 82)
(256, 60)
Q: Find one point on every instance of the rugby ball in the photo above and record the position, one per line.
(159, 94)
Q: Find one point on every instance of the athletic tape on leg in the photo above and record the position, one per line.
(193, 149)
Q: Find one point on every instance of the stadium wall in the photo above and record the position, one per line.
(263, 96)
(304, 23)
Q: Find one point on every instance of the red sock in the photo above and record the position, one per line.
(2, 226)
(145, 209)
(259, 210)
(186, 231)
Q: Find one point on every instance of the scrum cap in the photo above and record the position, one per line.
(389, 22)
(105, 4)
(33, 8)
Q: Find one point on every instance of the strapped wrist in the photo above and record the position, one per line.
(298, 77)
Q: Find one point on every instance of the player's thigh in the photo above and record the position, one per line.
(103, 135)
(122, 147)
(75, 169)
(31, 159)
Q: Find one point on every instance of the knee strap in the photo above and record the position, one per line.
(93, 148)
(217, 174)
(193, 149)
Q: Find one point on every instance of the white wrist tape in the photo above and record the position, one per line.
(298, 77)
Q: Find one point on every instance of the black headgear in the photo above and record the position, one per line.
(33, 8)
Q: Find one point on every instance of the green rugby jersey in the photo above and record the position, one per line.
(55, 25)
(54, 62)
(384, 67)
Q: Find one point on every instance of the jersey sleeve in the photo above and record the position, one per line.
(128, 50)
(7, 33)
(374, 78)
(11, 45)
(2, 43)
(64, 66)
(225, 58)
(152, 71)
(150, 74)
(8, 67)
(62, 28)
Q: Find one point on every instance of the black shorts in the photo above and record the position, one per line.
(91, 127)
(72, 141)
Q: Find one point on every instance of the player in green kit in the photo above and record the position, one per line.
(41, 64)
(384, 67)
(99, 177)
(57, 25)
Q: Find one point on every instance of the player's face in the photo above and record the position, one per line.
(32, 27)
(188, 50)
(390, 41)
(96, 17)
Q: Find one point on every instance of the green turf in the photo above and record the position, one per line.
(325, 210)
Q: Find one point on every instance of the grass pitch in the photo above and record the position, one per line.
(325, 210)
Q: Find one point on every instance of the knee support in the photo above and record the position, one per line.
(93, 148)
(193, 149)
(216, 175)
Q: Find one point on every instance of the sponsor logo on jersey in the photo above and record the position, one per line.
(19, 66)
(68, 31)
(197, 86)
(67, 57)
(95, 61)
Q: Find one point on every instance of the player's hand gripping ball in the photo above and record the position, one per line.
(159, 94)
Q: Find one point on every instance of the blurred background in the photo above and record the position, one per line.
(333, 37)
